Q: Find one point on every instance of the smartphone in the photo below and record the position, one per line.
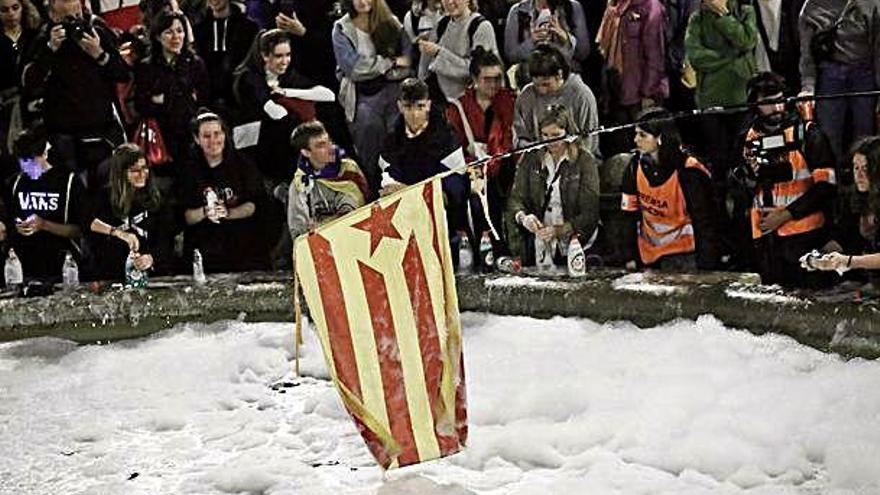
(544, 18)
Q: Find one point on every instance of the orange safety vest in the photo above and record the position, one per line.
(666, 227)
(786, 193)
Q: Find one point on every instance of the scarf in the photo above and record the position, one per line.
(342, 175)
(609, 41)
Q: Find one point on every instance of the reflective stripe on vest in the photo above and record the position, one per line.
(666, 227)
(786, 193)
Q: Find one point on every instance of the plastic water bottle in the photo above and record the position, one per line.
(543, 255)
(134, 278)
(577, 263)
(69, 273)
(465, 255)
(198, 269)
(12, 271)
(487, 256)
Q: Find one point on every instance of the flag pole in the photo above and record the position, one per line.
(297, 312)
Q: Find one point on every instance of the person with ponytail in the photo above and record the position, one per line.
(372, 58)
(223, 201)
(275, 98)
(669, 197)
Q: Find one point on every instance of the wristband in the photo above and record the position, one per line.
(113, 231)
(849, 261)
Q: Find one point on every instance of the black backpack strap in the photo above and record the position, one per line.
(414, 22)
(472, 28)
(442, 24)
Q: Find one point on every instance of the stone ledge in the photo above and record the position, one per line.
(646, 299)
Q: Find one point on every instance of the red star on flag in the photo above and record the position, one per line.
(379, 225)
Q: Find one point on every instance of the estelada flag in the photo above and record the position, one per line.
(380, 288)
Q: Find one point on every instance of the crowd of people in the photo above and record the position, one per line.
(230, 128)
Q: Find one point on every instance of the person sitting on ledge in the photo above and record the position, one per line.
(44, 202)
(668, 195)
(555, 195)
(326, 184)
(223, 196)
(124, 217)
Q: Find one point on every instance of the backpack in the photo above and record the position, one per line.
(433, 86)
(472, 27)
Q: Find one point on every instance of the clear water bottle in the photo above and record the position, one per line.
(12, 271)
(543, 255)
(577, 263)
(198, 269)
(134, 278)
(69, 273)
(465, 255)
(487, 256)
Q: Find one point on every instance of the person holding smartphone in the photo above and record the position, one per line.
(44, 203)
(561, 23)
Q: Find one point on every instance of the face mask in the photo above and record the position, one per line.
(31, 167)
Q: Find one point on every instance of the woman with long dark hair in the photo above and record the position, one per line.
(669, 195)
(172, 82)
(20, 24)
(272, 100)
(125, 218)
(865, 207)
(371, 59)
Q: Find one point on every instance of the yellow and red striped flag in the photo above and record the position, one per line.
(380, 288)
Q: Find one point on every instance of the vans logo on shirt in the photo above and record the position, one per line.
(38, 201)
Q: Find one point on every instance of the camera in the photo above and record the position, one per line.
(770, 161)
(76, 28)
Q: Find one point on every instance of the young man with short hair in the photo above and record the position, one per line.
(326, 184)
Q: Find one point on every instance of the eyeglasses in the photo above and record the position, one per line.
(139, 170)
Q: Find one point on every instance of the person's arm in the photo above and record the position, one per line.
(654, 83)
(875, 32)
(298, 219)
(113, 68)
(523, 135)
(517, 207)
(585, 222)
(807, 65)
(100, 227)
(149, 100)
(66, 230)
(702, 59)
(242, 211)
(355, 66)
(629, 205)
(865, 262)
(820, 159)
(697, 188)
(739, 28)
(515, 50)
(193, 216)
(580, 33)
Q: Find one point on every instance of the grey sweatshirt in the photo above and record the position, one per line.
(574, 94)
(451, 62)
(857, 41)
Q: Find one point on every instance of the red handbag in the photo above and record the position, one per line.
(148, 137)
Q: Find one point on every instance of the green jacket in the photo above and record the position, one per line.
(578, 190)
(721, 49)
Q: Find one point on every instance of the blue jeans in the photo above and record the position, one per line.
(835, 77)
